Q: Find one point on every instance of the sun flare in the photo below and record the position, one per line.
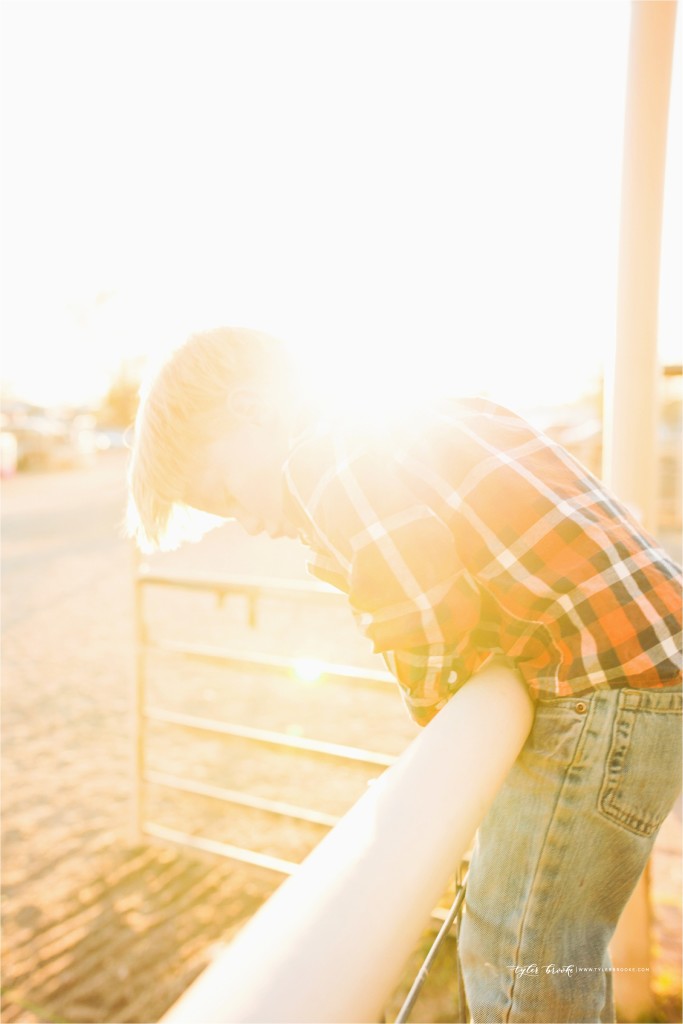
(308, 670)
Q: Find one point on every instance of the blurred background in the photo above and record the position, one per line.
(414, 197)
(417, 197)
(368, 181)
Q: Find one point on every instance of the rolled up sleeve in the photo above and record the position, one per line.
(417, 605)
(406, 585)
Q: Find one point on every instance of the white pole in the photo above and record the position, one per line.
(631, 386)
(330, 945)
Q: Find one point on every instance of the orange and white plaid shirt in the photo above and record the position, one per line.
(468, 533)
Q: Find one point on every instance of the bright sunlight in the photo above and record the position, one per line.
(449, 225)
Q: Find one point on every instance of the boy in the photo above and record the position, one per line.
(460, 534)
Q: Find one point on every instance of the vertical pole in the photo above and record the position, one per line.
(631, 385)
(139, 701)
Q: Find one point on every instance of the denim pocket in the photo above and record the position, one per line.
(555, 733)
(642, 775)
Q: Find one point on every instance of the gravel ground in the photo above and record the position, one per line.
(99, 926)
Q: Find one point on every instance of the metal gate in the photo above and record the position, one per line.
(253, 590)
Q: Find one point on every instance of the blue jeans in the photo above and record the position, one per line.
(560, 852)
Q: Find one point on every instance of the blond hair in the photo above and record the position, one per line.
(181, 408)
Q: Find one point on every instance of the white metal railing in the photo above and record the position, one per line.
(332, 941)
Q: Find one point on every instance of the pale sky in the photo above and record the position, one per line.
(429, 188)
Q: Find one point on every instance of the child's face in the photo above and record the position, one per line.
(239, 475)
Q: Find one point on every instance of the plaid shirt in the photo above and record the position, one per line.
(468, 533)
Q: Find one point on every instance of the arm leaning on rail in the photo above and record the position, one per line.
(331, 943)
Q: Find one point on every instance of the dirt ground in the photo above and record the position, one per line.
(100, 925)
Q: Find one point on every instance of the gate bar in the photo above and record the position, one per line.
(273, 739)
(329, 671)
(249, 586)
(421, 976)
(232, 796)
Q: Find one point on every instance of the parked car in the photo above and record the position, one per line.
(46, 443)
